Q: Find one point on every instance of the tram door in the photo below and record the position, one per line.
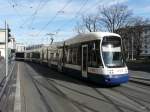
(84, 60)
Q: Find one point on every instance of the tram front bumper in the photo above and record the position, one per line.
(116, 79)
(109, 80)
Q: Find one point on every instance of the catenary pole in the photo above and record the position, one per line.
(6, 48)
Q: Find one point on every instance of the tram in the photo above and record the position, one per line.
(95, 56)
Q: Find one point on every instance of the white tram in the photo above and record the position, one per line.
(96, 56)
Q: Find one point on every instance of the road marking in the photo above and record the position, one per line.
(17, 105)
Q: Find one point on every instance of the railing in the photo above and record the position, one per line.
(7, 90)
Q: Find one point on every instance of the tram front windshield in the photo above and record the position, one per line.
(111, 52)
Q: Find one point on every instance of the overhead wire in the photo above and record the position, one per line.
(13, 5)
(53, 18)
(66, 4)
(76, 15)
(57, 13)
(32, 15)
(39, 7)
(84, 12)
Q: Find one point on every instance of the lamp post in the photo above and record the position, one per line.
(6, 48)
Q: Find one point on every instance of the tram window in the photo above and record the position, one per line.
(52, 56)
(45, 55)
(65, 55)
(79, 56)
(49, 54)
(93, 59)
(94, 54)
(57, 57)
(42, 54)
(115, 41)
(70, 56)
(74, 56)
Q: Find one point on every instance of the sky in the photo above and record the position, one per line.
(35, 21)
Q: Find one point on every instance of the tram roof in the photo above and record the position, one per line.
(89, 37)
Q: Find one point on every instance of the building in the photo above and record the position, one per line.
(11, 44)
(145, 50)
(136, 41)
(2, 43)
(20, 47)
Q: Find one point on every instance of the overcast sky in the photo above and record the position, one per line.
(31, 20)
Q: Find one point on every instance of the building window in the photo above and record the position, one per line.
(145, 31)
(145, 51)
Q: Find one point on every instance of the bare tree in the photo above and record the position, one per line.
(89, 24)
(79, 28)
(114, 16)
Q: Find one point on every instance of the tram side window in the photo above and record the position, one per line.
(52, 56)
(74, 56)
(65, 55)
(92, 59)
(49, 54)
(94, 54)
(57, 57)
(42, 54)
(28, 55)
(45, 54)
(70, 56)
(79, 56)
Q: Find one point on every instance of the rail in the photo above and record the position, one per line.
(140, 80)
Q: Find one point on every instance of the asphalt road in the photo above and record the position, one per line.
(46, 90)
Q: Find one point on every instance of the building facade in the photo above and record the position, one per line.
(136, 41)
(11, 44)
(145, 50)
(20, 47)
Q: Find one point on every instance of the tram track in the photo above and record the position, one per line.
(80, 106)
(139, 80)
(40, 93)
(108, 99)
(140, 89)
(66, 97)
(140, 86)
(60, 94)
(74, 101)
(134, 99)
